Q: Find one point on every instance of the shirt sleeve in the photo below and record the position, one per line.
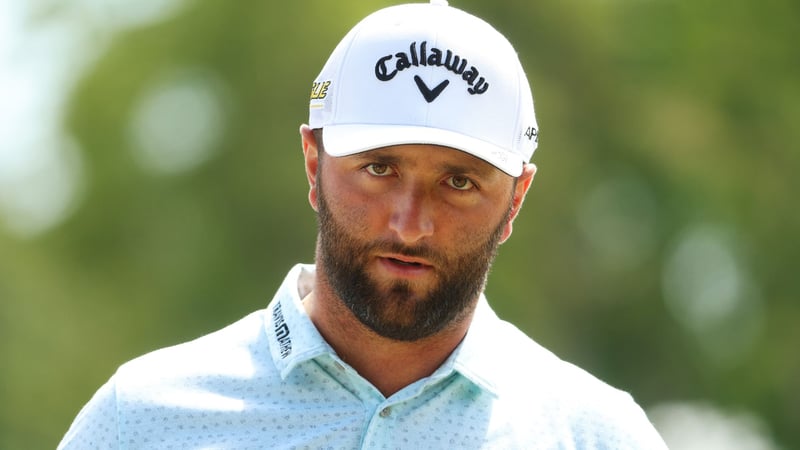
(642, 434)
(96, 426)
(621, 425)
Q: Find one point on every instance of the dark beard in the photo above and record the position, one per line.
(395, 312)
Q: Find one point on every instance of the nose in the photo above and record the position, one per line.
(412, 214)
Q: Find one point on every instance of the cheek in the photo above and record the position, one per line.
(467, 232)
(356, 213)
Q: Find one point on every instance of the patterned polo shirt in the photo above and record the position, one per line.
(271, 381)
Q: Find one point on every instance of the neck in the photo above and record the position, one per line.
(388, 364)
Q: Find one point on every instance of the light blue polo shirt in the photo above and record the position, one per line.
(271, 381)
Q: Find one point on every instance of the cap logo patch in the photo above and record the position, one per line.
(430, 94)
(532, 133)
(319, 89)
(387, 67)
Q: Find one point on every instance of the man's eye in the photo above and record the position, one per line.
(379, 170)
(460, 183)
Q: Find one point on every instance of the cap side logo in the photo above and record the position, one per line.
(532, 133)
(319, 89)
(387, 67)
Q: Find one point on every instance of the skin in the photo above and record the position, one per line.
(413, 196)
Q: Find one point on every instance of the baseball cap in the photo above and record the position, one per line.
(426, 73)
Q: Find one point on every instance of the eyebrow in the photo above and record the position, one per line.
(377, 156)
(479, 168)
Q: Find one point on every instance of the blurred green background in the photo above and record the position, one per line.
(151, 191)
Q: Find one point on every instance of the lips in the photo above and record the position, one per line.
(405, 265)
(407, 261)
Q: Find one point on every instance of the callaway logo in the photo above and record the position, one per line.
(388, 66)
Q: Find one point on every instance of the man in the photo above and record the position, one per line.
(421, 129)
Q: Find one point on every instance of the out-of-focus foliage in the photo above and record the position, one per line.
(657, 248)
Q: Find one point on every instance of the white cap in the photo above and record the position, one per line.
(426, 74)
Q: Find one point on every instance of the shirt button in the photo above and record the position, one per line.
(385, 412)
(338, 365)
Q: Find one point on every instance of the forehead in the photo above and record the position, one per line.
(434, 157)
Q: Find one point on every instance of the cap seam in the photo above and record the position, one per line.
(429, 107)
(516, 138)
(335, 107)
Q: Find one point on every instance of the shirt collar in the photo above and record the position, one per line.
(293, 338)
(476, 358)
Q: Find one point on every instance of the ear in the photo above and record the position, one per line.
(523, 184)
(311, 155)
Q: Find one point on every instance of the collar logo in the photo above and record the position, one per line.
(387, 67)
(281, 331)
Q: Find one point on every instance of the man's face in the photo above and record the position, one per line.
(407, 235)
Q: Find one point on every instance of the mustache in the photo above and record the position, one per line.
(416, 251)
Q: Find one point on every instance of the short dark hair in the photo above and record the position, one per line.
(318, 137)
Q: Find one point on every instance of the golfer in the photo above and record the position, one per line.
(417, 156)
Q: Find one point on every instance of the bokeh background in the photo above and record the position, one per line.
(151, 191)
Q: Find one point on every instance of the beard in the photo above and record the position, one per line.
(394, 309)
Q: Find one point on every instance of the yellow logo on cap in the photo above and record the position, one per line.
(319, 89)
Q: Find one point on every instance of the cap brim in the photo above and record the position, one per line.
(343, 140)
